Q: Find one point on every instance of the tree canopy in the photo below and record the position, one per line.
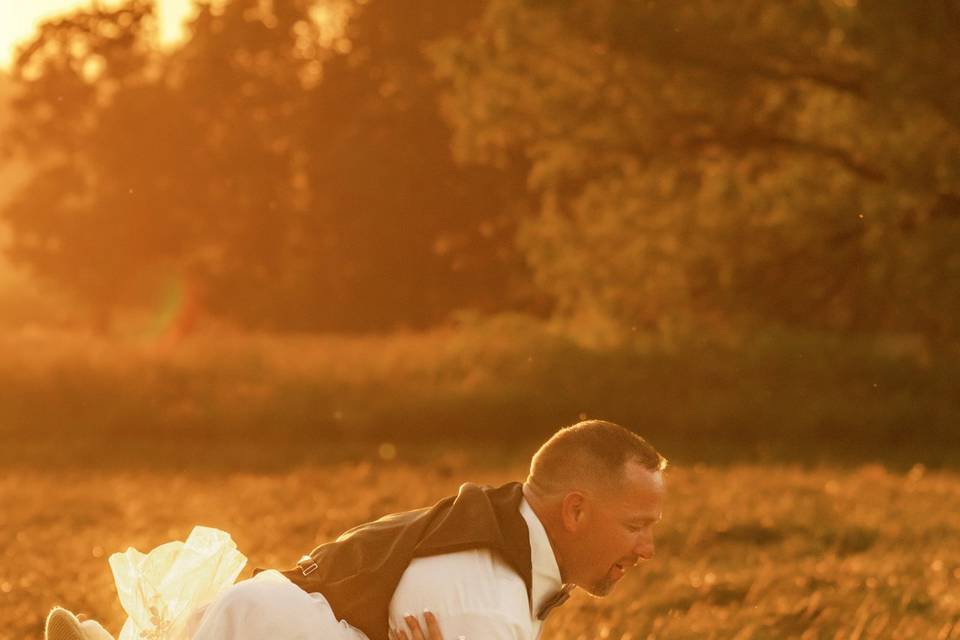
(715, 162)
(338, 164)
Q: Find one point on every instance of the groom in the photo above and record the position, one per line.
(490, 563)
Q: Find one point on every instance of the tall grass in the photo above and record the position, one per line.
(744, 552)
(499, 382)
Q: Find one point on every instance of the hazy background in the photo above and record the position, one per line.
(369, 226)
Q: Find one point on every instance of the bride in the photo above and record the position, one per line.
(175, 591)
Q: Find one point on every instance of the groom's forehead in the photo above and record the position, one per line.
(641, 487)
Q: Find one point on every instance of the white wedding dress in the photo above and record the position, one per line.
(186, 591)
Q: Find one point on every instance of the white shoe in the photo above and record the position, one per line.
(63, 625)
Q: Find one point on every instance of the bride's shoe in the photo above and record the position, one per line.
(63, 625)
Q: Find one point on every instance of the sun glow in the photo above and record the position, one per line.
(19, 20)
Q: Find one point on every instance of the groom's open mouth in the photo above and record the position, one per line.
(621, 568)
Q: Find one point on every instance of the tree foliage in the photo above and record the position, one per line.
(288, 160)
(78, 219)
(705, 163)
(718, 163)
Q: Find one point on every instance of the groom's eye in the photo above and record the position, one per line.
(635, 527)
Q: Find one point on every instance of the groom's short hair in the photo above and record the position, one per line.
(591, 451)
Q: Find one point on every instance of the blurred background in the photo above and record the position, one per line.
(249, 231)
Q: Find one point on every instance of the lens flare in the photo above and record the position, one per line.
(175, 314)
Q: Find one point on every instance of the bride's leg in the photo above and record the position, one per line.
(270, 607)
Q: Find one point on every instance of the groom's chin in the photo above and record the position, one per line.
(601, 588)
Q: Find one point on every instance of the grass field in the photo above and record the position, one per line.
(743, 552)
(779, 397)
(830, 508)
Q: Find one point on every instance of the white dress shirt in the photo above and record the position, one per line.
(475, 594)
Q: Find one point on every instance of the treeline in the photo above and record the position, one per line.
(640, 166)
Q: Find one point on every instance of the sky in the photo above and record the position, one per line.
(19, 19)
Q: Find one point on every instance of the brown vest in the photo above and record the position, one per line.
(359, 572)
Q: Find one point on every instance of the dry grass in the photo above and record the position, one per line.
(744, 552)
(861, 400)
(109, 444)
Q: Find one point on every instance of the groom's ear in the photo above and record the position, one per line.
(572, 511)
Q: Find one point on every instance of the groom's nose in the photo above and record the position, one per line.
(644, 547)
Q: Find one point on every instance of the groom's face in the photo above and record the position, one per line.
(617, 531)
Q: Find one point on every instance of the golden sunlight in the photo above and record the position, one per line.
(19, 20)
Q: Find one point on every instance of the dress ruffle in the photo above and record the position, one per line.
(160, 590)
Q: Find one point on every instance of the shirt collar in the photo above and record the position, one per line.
(546, 571)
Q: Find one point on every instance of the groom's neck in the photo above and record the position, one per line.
(549, 518)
